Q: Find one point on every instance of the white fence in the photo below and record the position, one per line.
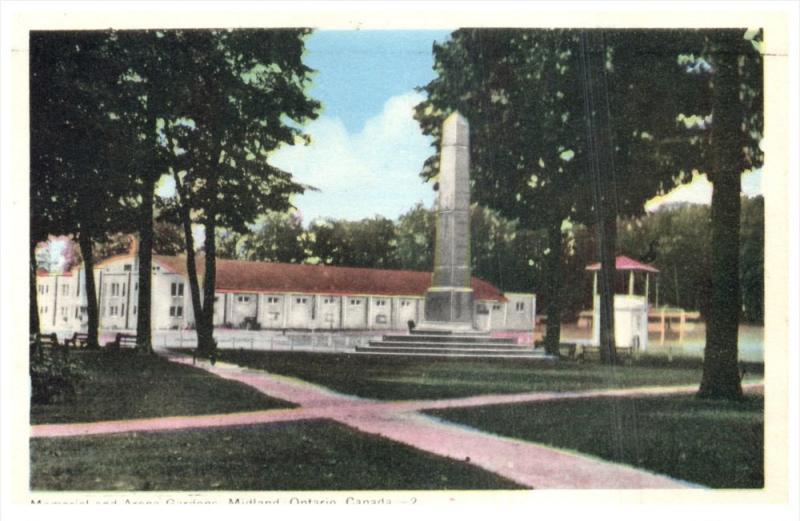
(268, 340)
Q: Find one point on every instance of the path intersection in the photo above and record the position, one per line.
(527, 463)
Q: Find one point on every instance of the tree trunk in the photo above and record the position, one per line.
(201, 327)
(720, 362)
(143, 317)
(92, 311)
(210, 277)
(554, 280)
(601, 165)
(34, 296)
(207, 347)
(608, 274)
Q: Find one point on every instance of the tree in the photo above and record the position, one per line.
(752, 260)
(76, 186)
(241, 95)
(737, 91)
(529, 151)
(367, 243)
(522, 145)
(415, 234)
(168, 238)
(278, 237)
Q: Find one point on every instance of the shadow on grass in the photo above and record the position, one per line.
(298, 456)
(124, 384)
(719, 444)
(400, 378)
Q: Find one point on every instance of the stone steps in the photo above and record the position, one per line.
(449, 339)
(429, 351)
(455, 344)
(452, 345)
(446, 353)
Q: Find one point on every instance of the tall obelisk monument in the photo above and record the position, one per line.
(449, 300)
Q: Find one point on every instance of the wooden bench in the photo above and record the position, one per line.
(38, 342)
(49, 341)
(123, 340)
(77, 340)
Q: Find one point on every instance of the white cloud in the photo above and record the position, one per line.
(698, 190)
(373, 171)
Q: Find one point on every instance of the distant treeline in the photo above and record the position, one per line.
(676, 240)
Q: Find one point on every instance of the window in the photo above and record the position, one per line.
(405, 303)
(496, 307)
(380, 302)
(126, 267)
(65, 289)
(136, 287)
(178, 311)
(172, 311)
(177, 289)
(272, 300)
(520, 306)
(123, 289)
(301, 300)
(114, 289)
(329, 300)
(134, 310)
(122, 310)
(355, 301)
(244, 298)
(77, 311)
(113, 310)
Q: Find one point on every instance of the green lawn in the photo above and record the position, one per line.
(398, 377)
(714, 443)
(118, 385)
(293, 456)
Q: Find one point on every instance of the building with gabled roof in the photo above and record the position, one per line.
(266, 295)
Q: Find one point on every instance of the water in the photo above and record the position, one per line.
(751, 340)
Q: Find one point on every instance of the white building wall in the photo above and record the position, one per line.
(380, 312)
(355, 312)
(405, 310)
(62, 301)
(242, 306)
(329, 310)
(300, 311)
(520, 312)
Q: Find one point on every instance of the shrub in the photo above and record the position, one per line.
(53, 377)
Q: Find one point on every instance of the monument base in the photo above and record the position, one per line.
(451, 307)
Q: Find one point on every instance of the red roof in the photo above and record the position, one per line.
(625, 263)
(248, 276)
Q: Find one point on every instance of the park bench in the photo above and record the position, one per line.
(77, 340)
(123, 340)
(39, 341)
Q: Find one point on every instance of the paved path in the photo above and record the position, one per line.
(526, 463)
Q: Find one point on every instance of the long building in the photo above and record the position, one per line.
(269, 295)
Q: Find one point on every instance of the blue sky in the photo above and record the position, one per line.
(366, 151)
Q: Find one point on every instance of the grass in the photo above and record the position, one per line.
(714, 443)
(398, 377)
(297, 456)
(121, 385)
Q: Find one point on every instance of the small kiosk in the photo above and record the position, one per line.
(631, 303)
